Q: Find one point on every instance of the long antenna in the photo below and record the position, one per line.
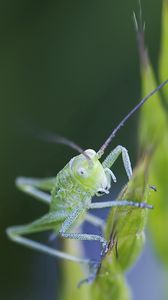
(57, 139)
(113, 134)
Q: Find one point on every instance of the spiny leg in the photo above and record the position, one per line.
(87, 237)
(94, 220)
(94, 268)
(34, 187)
(80, 236)
(94, 265)
(112, 157)
(120, 203)
(45, 184)
(91, 237)
(48, 221)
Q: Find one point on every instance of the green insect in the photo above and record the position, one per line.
(72, 190)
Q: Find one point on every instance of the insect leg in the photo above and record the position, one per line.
(81, 236)
(94, 220)
(112, 157)
(119, 203)
(48, 221)
(33, 187)
(45, 184)
(87, 237)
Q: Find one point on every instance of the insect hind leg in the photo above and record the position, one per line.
(45, 184)
(36, 188)
(15, 234)
(43, 248)
(46, 222)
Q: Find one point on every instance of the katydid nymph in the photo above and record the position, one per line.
(69, 196)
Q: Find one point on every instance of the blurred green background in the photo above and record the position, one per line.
(70, 67)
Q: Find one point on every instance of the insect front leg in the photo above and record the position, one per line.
(112, 157)
(81, 236)
(47, 222)
(35, 187)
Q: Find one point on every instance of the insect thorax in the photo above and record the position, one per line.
(68, 192)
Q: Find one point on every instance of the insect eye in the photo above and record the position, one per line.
(82, 172)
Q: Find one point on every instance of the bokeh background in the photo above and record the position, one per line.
(70, 67)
